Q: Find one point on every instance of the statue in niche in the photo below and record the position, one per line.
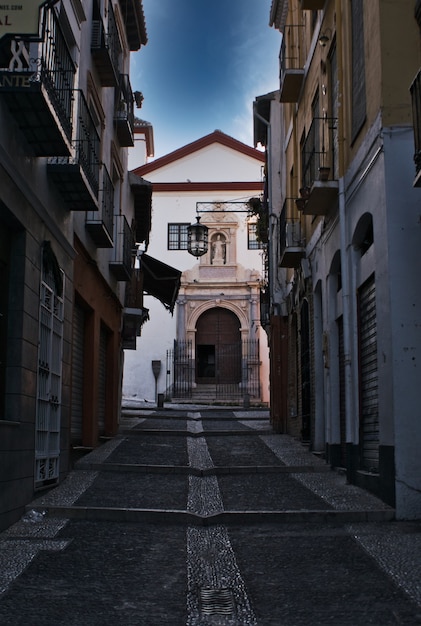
(219, 251)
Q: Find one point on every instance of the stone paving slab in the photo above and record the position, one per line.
(136, 491)
(222, 425)
(240, 450)
(109, 574)
(153, 449)
(266, 492)
(157, 423)
(316, 578)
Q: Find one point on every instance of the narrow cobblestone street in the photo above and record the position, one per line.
(202, 516)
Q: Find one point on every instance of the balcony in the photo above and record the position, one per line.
(134, 313)
(106, 48)
(36, 82)
(291, 241)
(415, 90)
(121, 265)
(77, 176)
(134, 21)
(142, 195)
(291, 62)
(312, 5)
(124, 113)
(319, 191)
(99, 224)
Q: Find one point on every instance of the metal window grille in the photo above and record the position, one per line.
(253, 242)
(177, 236)
(48, 409)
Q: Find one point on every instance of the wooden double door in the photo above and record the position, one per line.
(218, 347)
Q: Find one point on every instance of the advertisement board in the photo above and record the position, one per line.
(19, 18)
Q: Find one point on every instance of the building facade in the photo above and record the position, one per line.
(70, 217)
(344, 304)
(213, 348)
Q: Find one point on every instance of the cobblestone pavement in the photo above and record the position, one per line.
(195, 516)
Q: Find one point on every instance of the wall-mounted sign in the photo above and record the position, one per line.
(15, 81)
(20, 18)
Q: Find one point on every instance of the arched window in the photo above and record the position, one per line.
(364, 235)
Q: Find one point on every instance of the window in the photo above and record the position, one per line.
(358, 68)
(177, 236)
(253, 242)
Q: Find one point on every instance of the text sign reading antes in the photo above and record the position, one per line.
(20, 18)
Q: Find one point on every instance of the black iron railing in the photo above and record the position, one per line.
(44, 60)
(289, 228)
(123, 248)
(87, 143)
(124, 104)
(107, 201)
(57, 69)
(319, 150)
(292, 53)
(106, 37)
(243, 356)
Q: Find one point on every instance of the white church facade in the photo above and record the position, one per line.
(213, 347)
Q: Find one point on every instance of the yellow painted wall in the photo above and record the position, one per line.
(401, 58)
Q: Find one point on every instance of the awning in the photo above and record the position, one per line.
(160, 281)
(142, 192)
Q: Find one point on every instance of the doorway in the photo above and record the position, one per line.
(218, 347)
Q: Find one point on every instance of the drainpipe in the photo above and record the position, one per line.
(346, 295)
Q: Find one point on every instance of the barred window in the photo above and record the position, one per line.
(177, 236)
(253, 242)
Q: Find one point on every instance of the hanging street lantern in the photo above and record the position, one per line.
(197, 238)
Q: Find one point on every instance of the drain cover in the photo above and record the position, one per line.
(217, 602)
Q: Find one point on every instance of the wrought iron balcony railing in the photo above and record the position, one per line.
(77, 176)
(100, 223)
(134, 313)
(124, 113)
(106, 48)
(121, 264)
(415, 90)
(291, 61)
(319, 166)
(291, 249)
(37, 82)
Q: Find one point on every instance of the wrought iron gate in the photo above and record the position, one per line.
(182, 375)
(180, 370)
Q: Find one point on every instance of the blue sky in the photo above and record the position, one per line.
(204, 63)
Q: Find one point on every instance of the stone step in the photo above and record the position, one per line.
(224, 517)
(195, 471)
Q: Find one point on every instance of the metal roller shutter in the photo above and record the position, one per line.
(369, 421)
(102, 380)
